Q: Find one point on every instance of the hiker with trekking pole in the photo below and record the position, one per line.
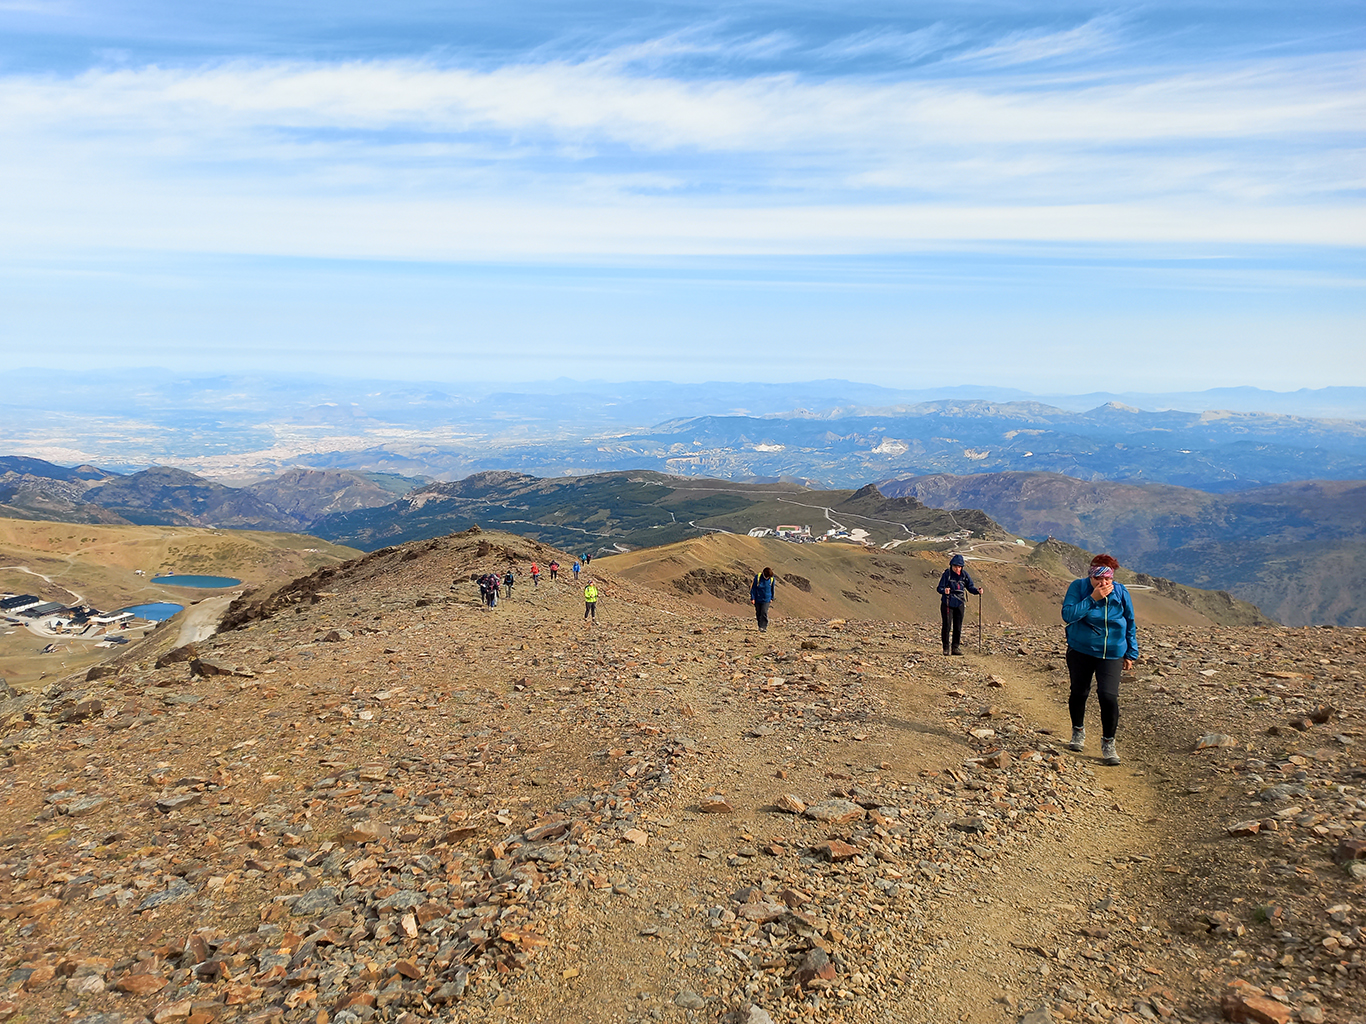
(952, 586)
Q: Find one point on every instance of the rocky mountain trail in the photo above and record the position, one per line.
(374, 799)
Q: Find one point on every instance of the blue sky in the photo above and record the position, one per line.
(1058, 197)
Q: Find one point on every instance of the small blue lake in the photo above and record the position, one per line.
(203, 582)
(157, 611)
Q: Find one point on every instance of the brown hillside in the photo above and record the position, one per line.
(375, 800)
(849, 581)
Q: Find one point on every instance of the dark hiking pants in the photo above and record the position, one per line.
(952, 624)
(1082, 668)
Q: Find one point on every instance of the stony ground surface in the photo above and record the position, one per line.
(377, 800)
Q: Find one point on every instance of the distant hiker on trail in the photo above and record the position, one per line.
(761, 596)
(952, 602)
(587, 560)
(488, 589)
(577, 569)
(1102, 642)
(535, 575)
(590, 602)
(508, 581)
(554, 568)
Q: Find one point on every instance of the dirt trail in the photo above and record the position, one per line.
(986, 946)
(904, 838)
(993, 946)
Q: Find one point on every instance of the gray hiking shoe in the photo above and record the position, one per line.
(1108, 752)
(1078, 740)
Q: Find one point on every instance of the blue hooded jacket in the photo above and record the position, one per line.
(762, 589)
(1103, 629)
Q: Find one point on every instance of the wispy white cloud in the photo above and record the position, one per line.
(1091, 39)
(710, 41)
(588, 101)
(894, 43)
(802, 162)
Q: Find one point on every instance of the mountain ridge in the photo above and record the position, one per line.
(1265, 544)
(1262, 544)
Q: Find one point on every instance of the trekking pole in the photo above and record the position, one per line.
(979, 622)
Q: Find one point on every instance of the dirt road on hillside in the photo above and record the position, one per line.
(199, 621)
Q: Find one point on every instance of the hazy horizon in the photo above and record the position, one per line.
(1337, 401)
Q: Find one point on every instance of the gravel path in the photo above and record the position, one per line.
(373, 799)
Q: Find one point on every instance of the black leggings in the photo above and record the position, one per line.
(954, 616)
(1081, 668)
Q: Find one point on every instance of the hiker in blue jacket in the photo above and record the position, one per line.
(1102, 642)
(761, 596)
(952, 586)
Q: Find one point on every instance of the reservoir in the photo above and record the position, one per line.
(157, 611)
(203, 582)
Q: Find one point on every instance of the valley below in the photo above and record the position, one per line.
(111, 567)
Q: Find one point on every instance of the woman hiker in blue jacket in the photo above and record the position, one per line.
(1102, 642)
(951, 603)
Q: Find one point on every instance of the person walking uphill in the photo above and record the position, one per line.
(590, 602)
(1102, 642)
(761, 596)
(952, 585)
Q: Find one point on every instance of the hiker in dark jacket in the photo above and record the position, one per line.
(761, 596)
(952, 585)
(508, 581)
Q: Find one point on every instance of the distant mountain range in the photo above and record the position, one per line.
(35, 489)
(1297, 551)
(825, 433)
(598, 513)
(1171, 484)
(1216, 452)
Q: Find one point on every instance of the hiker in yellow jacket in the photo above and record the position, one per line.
(590, 602)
